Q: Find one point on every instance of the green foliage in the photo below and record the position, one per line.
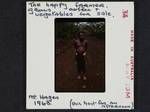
(67, 30)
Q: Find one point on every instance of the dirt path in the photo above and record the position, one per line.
(66, 73)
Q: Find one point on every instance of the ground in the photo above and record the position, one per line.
(66, 71)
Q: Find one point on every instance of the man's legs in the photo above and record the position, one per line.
(78, 60)
(81, 68)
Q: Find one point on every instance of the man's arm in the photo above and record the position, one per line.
(86, 47)
(75, 46)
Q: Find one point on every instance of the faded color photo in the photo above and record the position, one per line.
(80, 55)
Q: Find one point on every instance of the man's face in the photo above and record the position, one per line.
(81, 36)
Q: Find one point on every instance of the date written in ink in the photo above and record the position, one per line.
(42, 103)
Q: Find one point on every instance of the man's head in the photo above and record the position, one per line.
(81, 36)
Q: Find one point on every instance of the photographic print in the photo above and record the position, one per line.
(79, 55)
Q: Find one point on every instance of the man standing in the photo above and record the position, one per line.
(80, 45)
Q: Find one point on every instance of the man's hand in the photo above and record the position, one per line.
(84, 54)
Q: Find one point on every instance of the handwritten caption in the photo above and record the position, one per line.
(43, 100)
(46, 9)
(99, 103)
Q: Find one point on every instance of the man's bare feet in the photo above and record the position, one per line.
(84, 86)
